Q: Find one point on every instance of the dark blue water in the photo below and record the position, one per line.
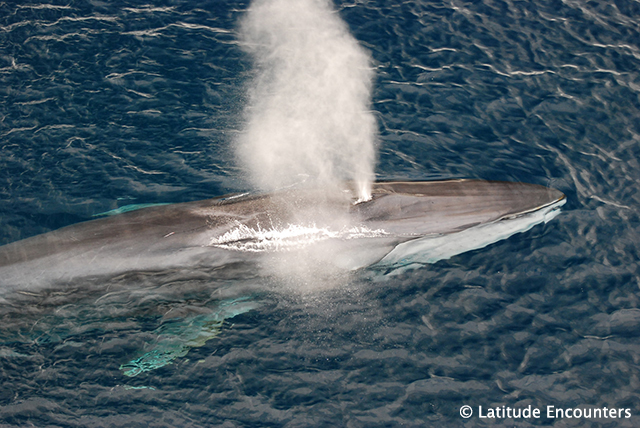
(106, 104)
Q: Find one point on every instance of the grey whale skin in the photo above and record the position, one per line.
(404, 223)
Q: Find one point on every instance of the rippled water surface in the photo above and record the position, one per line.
(107, 104)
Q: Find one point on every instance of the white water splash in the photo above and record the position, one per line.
(292, 237)
(308, 118)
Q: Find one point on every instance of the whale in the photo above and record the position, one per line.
(169, 277)
(405, 224)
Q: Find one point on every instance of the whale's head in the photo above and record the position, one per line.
(441, 207)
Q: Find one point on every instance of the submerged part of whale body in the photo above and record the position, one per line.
(404, 223)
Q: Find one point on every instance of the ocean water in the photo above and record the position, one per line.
(109, 104)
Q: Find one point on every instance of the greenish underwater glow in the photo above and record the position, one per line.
(176, 339)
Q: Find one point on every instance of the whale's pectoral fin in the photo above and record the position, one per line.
(176, 338)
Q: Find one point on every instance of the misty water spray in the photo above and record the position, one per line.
(308, 118)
